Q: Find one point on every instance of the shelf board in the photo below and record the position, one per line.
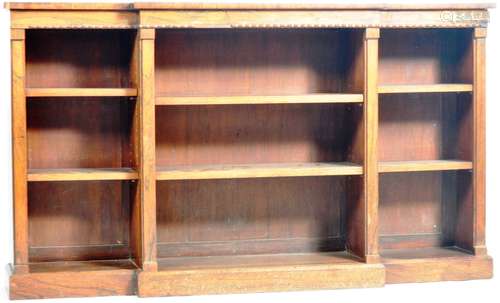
(405, 254)
(81, 174)
(285, 99)
(431, 264)
(257, 171)
(73, 279)
(79, 266)
(81, 92)
(425, 165)
(291, 259)
(258, 273)
(424, 88)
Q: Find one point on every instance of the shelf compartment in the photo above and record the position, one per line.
(424, 88)
(74, 133)
(256, 134)
(434, 264)
(425, 56)
(86, 58)
(425, 127)
(258, 273)
(429, 165)
(81, 92)
(263, 62)
(426, 209)
(257, 171)
(73, 279)
(96, 216)
(285, 99)
(81, 174)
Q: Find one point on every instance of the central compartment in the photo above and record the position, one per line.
(258, 147)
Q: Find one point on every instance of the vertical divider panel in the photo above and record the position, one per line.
(19, 148)
(370, 167)
(135, 141)
(479, 152)
(147, 170)
(362, 217)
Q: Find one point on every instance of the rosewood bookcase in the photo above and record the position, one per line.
(181, 149)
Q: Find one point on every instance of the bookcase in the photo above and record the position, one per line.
(182, 149)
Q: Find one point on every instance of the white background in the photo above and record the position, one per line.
(469, 291)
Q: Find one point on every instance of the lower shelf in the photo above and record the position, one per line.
(258, 273)
(434, 264)
(73, 279)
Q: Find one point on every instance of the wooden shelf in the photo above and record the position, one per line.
(426, 165)
(213, 262)
(432, 264)
(72, 279)
(79, 266)
(285, 99)
(258, 273)
(81, 92)
(257, 171)
(424, 88)
(81, 174)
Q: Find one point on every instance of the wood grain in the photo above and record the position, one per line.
(297, 18)
(74, 279)
(308, 6)
(434, 264)
(97, 19)
(19, 147)
(479, 137)
(275, 273)
(148, 146)
(430, 165)
(67, 6)
(81, 174)
(424, 88)
(257, 171)
(81, 92)
(285, 99)
(370, 167)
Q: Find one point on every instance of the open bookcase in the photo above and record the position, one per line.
(163, 149)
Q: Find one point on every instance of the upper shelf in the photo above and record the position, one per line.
(82, 174)
(422, 165)
(424, 88)
(81, 92)
(285, 99)
(198, 172)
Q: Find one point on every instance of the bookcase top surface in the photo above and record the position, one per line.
(242, 6)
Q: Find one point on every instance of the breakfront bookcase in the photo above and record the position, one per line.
(181, 149)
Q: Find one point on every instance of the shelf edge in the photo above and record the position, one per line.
(234, 100)
(81, 92)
